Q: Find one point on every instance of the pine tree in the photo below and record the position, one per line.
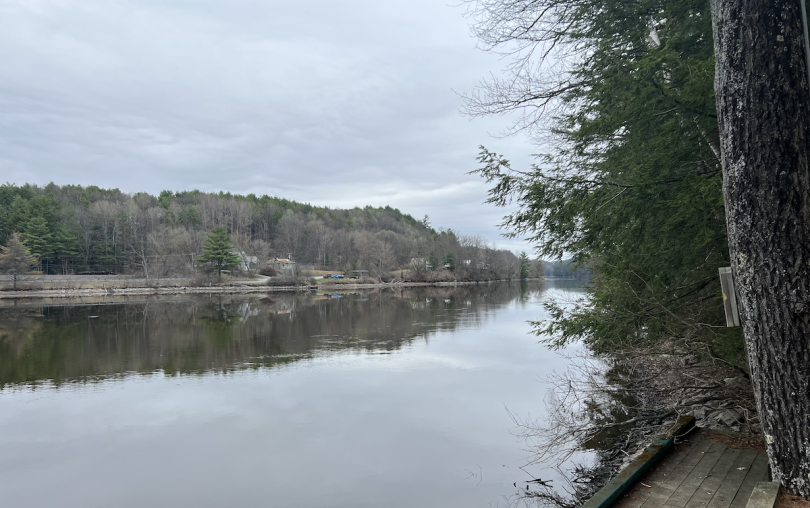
(65, 244)
(15, 258)
(38, 238)
(450, 261)
(165, 198)
(634, 188)
(18, 214)
(524, 265)
(218, 251)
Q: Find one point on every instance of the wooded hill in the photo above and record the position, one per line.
(75, 229)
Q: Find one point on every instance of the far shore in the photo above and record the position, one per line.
(223, 288)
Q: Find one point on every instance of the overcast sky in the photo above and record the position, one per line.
(333, 103)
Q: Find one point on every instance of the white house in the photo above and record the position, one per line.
(420, 264)
(247, 262)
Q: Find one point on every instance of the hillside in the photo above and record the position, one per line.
(75, 229)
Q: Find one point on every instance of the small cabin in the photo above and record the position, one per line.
(282, 265)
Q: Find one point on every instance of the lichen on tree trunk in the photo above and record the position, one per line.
(763, 105)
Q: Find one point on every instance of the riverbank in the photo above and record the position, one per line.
(649, 391)
(165, 287)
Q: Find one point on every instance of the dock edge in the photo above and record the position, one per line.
(636, 470)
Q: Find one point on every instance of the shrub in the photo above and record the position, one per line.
(268, 271)
(291, 281)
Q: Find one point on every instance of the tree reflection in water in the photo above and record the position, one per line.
(589, 407)
(611, 405)
(185, 335)
(88, 341)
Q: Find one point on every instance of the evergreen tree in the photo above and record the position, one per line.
(165, 198)
(218, 251)
(524, 265)
(633, 189)
(19, 213)
(38, 238)
(65, 244)
(433, 260)
(15, 258)
(189, 216)
(450, 261)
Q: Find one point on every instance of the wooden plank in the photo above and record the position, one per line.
(667, 486)
(639, 467)
(686, 490)
(731, 483)
(709, 487)
(766, 467)
(636, 497)
(662, 493)
(630, 475)
(765, 495)
(757, 473)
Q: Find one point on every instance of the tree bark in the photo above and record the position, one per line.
(763, 106)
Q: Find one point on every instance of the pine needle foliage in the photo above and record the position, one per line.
(632, 186)
(218, 250)
(38, 238)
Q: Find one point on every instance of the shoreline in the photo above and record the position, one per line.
(220, 289)
(668, 387)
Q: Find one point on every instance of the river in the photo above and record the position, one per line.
(383, 398)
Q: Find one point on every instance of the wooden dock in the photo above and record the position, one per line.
(703, 473)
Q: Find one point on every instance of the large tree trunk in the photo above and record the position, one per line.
(763, 106)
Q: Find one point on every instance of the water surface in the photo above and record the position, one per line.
(394, 398)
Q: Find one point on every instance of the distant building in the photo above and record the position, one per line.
(282, 265)
(420, 264)
(247, 262)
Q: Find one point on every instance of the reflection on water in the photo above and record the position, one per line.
(194, 335)
(358, 399)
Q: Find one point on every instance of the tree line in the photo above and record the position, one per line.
(75, 229)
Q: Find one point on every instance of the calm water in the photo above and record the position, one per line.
(393, 398)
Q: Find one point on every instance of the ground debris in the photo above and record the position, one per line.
(631, 400)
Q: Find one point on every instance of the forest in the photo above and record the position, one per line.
(72, 229)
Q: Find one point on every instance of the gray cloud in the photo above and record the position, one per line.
(332, 103)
